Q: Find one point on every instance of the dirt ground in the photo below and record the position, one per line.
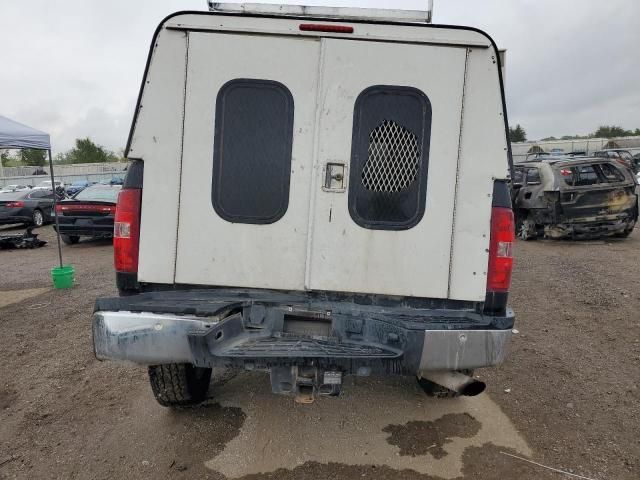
(567, 397)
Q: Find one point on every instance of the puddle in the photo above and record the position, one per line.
(422, 438)
(372, 423)
(486, 462)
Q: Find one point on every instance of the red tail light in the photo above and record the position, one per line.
(14, 205)
(315, 27)
(126, 230)
(61, 209)
(501, 250)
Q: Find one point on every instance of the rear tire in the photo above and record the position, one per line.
(69, 239)
(179, 384)
(37, 218)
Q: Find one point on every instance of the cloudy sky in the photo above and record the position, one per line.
(73, 67)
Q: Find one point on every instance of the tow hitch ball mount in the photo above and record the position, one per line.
(305, 383)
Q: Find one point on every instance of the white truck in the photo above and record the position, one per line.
(316, 193)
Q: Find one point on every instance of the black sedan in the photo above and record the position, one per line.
(31, 207)
(89, 213)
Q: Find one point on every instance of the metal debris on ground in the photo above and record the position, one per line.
(21, 240)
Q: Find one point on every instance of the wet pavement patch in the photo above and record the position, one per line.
(372, 424)
(203, 428)
(421, 438)
(486, 462)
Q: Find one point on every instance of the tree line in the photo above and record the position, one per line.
(518, 134)
(84, 151)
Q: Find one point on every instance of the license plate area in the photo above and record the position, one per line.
(307, 325)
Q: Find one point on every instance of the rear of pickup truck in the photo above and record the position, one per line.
(314, 197)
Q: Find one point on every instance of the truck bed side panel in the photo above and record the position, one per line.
(483, 153)
(157, 140)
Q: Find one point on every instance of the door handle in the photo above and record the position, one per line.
(334, 179)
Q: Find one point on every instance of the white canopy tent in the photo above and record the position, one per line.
(16, 136)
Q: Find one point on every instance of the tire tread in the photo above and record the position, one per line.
(178, 384)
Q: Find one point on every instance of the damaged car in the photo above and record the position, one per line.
(574, 198)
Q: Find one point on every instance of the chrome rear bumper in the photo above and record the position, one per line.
(153, 339)
(464, 349)
(144, 338)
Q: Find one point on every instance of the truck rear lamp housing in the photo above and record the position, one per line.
(501, 250)
(126, 230)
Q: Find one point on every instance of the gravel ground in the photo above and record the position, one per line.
(567, 396)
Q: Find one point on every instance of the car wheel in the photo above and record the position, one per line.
(179, 384)
(69, 239)
(38, 218)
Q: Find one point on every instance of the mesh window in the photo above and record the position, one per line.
(252, 151)
(389, 158)
(393, 159)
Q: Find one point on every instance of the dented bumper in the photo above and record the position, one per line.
(355, 340)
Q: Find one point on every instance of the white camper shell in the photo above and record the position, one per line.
(348, 164)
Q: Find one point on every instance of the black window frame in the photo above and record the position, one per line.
(578, 176)
(362, 129)
(619, 176)
(285, 144)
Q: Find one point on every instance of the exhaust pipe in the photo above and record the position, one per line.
(455, 381)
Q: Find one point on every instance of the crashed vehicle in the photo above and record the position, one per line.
(622, 156)
(27, 239)
(574, 198)
(329, 197)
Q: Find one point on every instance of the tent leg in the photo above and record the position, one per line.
(55, 210)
